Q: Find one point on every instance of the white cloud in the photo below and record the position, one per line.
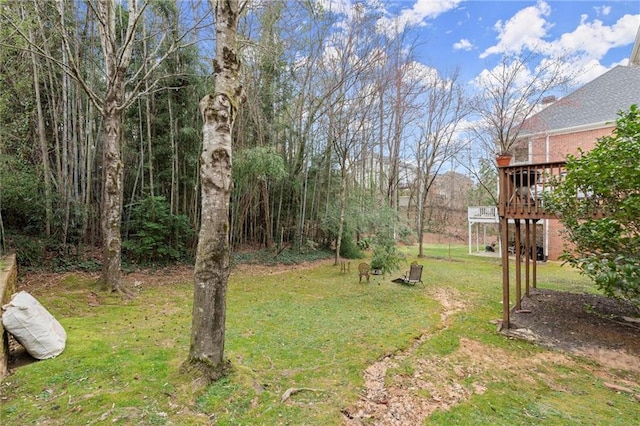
(336, 6)
(463, 44)
(525, 29)
(589, 70)
(594, 39)
(418, 13)
(582, 49)
(528, 30)
(592, 68)
(495, 78)
(603, 10)
(417, 71)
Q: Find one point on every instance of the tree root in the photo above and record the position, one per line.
(205, 371)
(287, 394)
(123, 290)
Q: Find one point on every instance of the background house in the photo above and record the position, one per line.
(577, 121)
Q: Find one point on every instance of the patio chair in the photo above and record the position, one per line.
(363, 271)
(414, 275)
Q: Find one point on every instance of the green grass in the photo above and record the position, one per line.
(314, 329)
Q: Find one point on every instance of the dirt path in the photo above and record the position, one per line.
(396, 404)
(403, 389)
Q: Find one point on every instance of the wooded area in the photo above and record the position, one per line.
(99, 109)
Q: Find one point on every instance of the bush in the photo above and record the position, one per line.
(605, 248)
(364, 243)
(21, 196)
(348, 247)
(155, 235)
(30, 251)
(386, 258)
(406, 235)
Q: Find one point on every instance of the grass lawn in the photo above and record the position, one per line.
(311, 329)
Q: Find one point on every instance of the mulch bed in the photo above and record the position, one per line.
(571, 321)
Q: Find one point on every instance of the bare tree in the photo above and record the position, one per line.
(116, 62)
(445, 108)
(348, 68)
(42, 138)
(510, 93)
(400, 101)
(212, 259)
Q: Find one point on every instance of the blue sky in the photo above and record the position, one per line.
(474, 34)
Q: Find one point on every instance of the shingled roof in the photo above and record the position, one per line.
(594, 105)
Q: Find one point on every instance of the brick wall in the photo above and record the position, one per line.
(559, 146)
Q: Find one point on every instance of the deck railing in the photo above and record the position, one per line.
(523, 188)
(487, 214)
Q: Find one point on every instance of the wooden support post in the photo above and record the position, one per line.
(534, 281)
(528, 252)
(504, 240)
(504, 244)
(518, 264)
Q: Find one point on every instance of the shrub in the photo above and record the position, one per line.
(155, 235)
(348, 247)
(30, 251)
(406, 235)
(605, 248)
(21, 196)
(386, 258)
(364, 243)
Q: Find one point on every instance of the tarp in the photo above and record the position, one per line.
(33, 326)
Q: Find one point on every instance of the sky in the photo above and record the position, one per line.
(475, 34)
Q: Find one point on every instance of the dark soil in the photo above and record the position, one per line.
(578, 323)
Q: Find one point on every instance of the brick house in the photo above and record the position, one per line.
(577, 121)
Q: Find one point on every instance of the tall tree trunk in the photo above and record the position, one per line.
(211, 273)
(42, 140)
(419, 203)
(111, 198)
(65, 139)
(147, 107)
(88, 230)
(174, 159)
(343, 209)
(116, 64)
(266, 212)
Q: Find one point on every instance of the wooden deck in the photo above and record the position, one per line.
(522, 199)
(523, 188)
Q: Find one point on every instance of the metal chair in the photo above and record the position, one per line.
(414, 275)
(363, 271)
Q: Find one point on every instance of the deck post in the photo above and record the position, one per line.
(534, 281)
(520, 197)
(504, 235)
(504, 244)
(518, 250)
(528, 252)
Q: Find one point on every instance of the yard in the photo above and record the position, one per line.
(310, 345)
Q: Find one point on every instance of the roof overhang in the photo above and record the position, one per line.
(569, 130)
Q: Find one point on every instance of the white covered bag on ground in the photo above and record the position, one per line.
(33, 326)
